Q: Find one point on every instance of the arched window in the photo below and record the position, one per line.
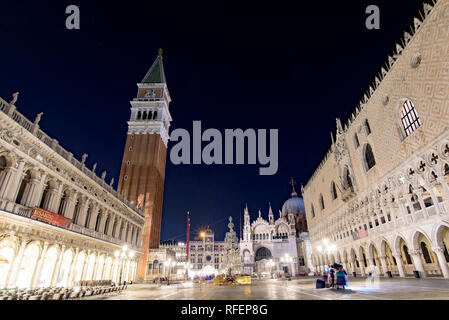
(155, 114)
(23, 186)
(150, 114)
(89, 213)
(333, 191)
(347, 181)
(409, 118)
(139, 115)
(144, 115)
(44, 197)
(97, 222)
(321, 202)
(120, 233)
(2, 166)
(369, 158)
(408, 259)
(356, 141)
(367, 127)
(313, 211)
(425, 252)
(76, 212)
(62, 203)
(114, 227)
(106, 226)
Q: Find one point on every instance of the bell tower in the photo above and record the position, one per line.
(142, 172)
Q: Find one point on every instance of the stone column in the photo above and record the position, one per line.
(93, 217)
(54, 278)
(15, 265)
(400, 265)
(31, 194)
(72, 272)
(383, 262)
(36, 199)
(84, 271)
(352, 266)
(444, 184)
(82, 213)
(419, 193)
(13, 186)
(6, 178)
(416, 256)
(362, 267)
(56, 198)
(442, 261)
(39, 265)
(94, 271)
(70, 205)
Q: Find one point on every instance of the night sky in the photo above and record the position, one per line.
(231, 65)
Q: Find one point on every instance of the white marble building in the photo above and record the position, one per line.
(278, 246)
(59, 222)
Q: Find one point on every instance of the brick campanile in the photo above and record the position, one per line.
(142, 172)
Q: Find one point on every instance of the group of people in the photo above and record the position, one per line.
(337, 276)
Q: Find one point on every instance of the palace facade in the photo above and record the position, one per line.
(60, 223)
(379, 200)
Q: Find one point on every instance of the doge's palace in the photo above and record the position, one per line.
(60, 224)
(379, 200)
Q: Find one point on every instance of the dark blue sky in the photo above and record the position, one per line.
(229, 64)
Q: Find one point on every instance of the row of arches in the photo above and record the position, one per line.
(29, 264)
(417, 191)
(144, 115)
(400, 256)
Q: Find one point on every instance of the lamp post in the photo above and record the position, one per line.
(122, 256)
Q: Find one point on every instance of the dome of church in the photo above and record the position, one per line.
(294, 205)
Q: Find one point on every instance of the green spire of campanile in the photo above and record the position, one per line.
(156, 73)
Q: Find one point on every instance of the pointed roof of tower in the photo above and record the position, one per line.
(156, 73)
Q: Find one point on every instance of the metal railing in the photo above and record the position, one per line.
(20, 210)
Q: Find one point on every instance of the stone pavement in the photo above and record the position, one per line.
(298, 289)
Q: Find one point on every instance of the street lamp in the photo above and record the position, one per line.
(122, 258)
(286, 259)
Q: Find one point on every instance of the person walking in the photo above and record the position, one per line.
(331, 277)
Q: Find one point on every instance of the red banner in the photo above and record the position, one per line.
(51, 217)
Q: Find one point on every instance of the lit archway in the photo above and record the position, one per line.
(28, 265)
(63, 276)
(7, 253)
(48, 267)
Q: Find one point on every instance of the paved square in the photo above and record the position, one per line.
(298, 289)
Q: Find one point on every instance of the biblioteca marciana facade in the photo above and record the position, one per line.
(379, 200)
(60, 223)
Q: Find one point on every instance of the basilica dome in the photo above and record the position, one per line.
(294, 205)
